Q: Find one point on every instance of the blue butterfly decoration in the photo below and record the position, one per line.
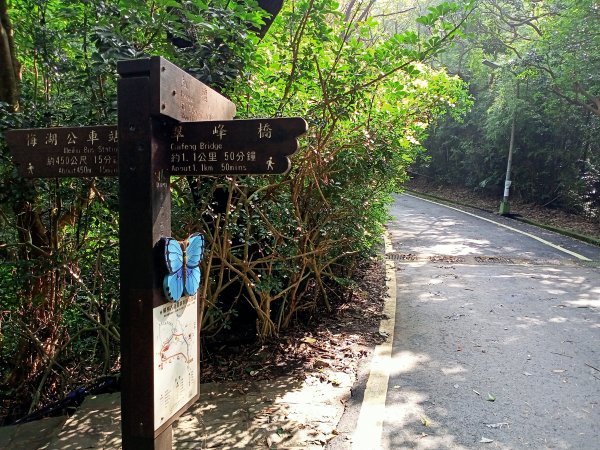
(183, 261)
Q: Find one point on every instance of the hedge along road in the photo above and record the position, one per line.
(495, 342)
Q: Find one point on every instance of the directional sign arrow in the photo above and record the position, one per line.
(253, 146)
(65, 152)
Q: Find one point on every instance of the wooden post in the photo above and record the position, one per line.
(153, 96)
(144, 216)
(169, 123)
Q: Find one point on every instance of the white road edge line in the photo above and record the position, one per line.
(543, 241)
(369, 427)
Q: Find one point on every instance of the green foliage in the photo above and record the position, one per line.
(283, 245)
(369, 105)
(546, 77)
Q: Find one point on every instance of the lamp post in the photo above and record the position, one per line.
(504, 204)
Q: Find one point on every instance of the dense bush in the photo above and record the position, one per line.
(279, 244)
(539, 65)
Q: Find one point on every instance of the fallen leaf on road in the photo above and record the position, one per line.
(496, 425)
(527, 374)
(321, 364)
(476, 392)
(559, 370)
(424, 421)
(491, 398)
(485, 440)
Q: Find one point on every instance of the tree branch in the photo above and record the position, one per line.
(9, 66)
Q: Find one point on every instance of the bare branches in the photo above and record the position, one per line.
(396, 13)
(592, 105)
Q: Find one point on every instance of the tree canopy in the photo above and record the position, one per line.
(536, 62)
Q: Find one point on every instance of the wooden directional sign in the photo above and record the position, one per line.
(169, 124)
(65, 152)
(184, 98)
(177, 94)
(229, 147)
(243, 147)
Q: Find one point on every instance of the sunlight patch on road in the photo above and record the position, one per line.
(585, 303)
(406, 361)
(539, 239)
(453, 370)
(558, 320)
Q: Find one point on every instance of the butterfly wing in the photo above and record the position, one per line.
(194, 250)
(173, 255)
(193, 255)
(182, 279)
(173, 285)
(192, 280)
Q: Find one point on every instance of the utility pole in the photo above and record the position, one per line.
(504, 204)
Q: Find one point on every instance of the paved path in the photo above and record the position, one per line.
(496, 341)
(285, 413)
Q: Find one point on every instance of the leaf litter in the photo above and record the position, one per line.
(319, 341)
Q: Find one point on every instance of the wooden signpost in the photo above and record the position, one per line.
(65, 152)
(169, 123)
(236, 147)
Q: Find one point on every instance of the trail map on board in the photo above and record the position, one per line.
(175, 328)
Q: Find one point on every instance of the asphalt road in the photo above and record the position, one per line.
(496, 339)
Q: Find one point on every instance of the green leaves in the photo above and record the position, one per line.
(546, 78)
(438, 12)
(408, 37)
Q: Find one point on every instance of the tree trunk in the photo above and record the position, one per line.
(9, 66)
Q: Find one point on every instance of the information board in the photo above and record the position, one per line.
(175, 328)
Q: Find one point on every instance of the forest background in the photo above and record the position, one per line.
(386, 87)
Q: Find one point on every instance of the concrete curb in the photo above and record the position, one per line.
(367, 435)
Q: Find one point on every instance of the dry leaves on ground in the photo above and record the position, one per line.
(336, 340)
